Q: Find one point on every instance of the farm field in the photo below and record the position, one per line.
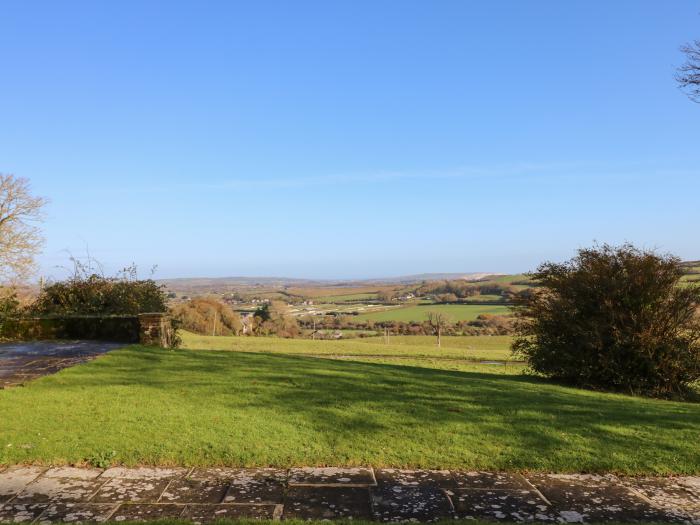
(144, 405)
(475, 343)
(458, 312)
(471, 348)
(693, 275)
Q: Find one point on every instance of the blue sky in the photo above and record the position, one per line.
(351, 139)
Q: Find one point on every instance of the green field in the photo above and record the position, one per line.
(694, 273)
(458, 312)
(494, 345)
(250, 407)
(470, 348)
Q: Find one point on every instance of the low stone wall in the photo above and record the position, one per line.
(156, 329)
(147, 329)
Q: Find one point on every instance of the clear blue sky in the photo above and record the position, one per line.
(348, 138)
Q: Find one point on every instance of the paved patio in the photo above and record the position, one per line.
(66, 494)
(23, 362)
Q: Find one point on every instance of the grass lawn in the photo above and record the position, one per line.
(474, 348)
(458, 312)
(207, 407)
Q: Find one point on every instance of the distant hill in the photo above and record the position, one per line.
(194, 285)
(420, 277)
(220, 284)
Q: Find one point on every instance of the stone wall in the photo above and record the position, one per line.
(156, 330)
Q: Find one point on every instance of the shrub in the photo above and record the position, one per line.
(274, 319)
(615, 318)
(207, 316)
(87, 293)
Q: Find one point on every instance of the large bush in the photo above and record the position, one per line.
(274, 319)
(207, 316)
(86, 293)
(615, 318)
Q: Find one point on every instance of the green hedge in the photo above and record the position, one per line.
(121, 329)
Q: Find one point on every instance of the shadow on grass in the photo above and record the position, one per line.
(525, 420)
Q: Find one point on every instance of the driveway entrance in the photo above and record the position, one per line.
(24, 361)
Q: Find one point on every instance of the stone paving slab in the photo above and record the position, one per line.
(14, 479)
(124, 490)
(256, 486)
(491, 481)
(146, 512)
(144, 473)
(39, 495)
(348, 477)
(438, 478)
(676, 496)
(502, 505)
(21, 512)
(323, 503)
(411, 495)
(76, 513)
(203, 514)
(59, 489)
(588, 498)
(191, 490)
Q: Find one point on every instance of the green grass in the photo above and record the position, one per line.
(484, 297)
(507, 279)
(457, 312)
(200, 407)
(473, 348)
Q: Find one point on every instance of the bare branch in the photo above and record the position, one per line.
(688, 76)
(20, 236)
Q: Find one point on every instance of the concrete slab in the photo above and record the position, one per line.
(68, 494)
(144, 473)
(21, 512)
(204, 514)
(399, 497)
(673, 495)
(578, 498)
(490, 480)
(59, 489)
(322, 503)
(255, 486)
(73, 472)
(438, 478)
(501, 505)
(119, 490)
(348, 477)
(692, 483)
(190, 490)
(76, 513)
(146, 512)
(14, 479)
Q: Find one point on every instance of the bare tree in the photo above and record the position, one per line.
(20, 236)
(688, 76)
(438, 321)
